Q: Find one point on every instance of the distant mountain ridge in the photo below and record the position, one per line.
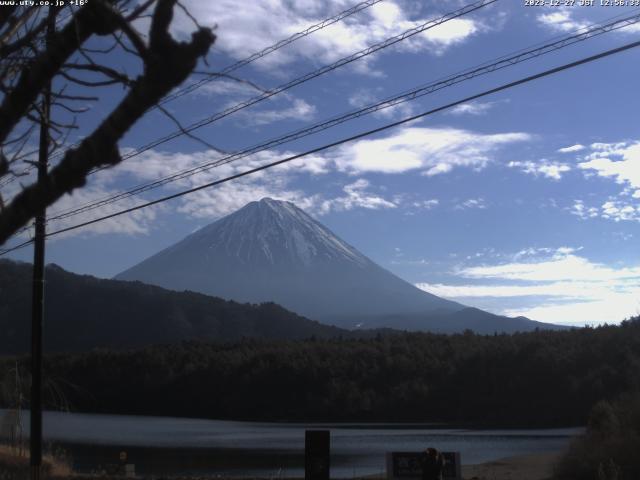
(83, 312)
(273, 251)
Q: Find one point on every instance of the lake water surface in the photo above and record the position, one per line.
(159, 445)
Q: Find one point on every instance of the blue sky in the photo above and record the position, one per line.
(526, 202)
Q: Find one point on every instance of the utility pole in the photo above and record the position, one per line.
(37, 300)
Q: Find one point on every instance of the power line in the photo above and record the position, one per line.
(311, 75)
(367, 133)
(327, 68)
(277, 46)
(245, 61)
(503, 62)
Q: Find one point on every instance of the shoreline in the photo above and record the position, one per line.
(316, 423)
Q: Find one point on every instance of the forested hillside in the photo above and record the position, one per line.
(542, 378)
(84, 312)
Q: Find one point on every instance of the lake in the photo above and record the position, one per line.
(163, 445)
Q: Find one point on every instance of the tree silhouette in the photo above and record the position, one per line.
(31, 57)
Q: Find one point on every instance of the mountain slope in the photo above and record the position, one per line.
(84, 312)
(273, 251)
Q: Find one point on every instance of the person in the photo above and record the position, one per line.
(432, 464)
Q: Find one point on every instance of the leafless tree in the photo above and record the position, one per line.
(39, 45)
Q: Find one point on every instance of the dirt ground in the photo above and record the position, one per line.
(527, 467)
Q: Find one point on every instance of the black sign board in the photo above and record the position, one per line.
(406, 464)
(316, 454)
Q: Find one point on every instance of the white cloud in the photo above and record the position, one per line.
(299, 110)
(450, 33)
(432, 150)
(571, 149)
(616, 210)
(223, 199)
(565, 20)
(136, 223)
(276, 108)
(611, 309)
(607, 147)
(619, 161)
(633, 28)
(210, 203)
(478, 203)
(545, 168)
(475, 108)
(152, 165)
(620, 211)
(554, 285)
(356, 197)
(365, 97)
(531, 251)
(562, 21)
(574, 290)
(226, 89)
(426, 204)
(252, 26)
(284, 106)
(560, 267)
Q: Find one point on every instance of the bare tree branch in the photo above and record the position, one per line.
(143, 7)
(8, 49)
(166, 64)
(6, 13)
(16, 24)
(188, 14)
(111, 73)
(68, 108)
(189, 134)
(4, 164)
(74, 98)
(95, 17)
(103, 51)
(89, 83)
(133, 36)
(235, 79)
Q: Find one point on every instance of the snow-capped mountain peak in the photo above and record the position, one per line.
(272, 250)
(278, 232)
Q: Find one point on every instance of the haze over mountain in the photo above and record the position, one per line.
(273, 251)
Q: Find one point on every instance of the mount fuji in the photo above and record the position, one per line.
(272, 251)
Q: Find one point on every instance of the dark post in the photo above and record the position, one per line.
(37, 301)
(316, 454)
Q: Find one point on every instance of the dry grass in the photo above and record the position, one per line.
(12, 463)
(538, 466)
